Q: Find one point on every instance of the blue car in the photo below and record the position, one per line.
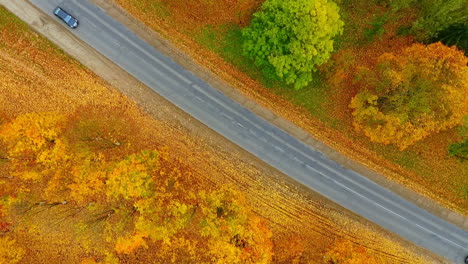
(66, 17)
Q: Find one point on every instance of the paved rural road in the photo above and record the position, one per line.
(259, 137)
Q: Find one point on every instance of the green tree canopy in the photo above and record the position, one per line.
(438, 15)
(288, 38)
(435, 15)
(454, 35)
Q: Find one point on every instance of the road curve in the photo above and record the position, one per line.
(267, 142)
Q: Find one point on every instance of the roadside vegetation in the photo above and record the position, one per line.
(87, 177)
(75, 169)
(382, 81)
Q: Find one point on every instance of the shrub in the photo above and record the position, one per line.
(459, 150)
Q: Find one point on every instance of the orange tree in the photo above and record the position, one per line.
(142, 200)
(345, 252)
(408, 96)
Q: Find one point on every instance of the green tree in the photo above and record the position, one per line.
(459, 150)
(289, 38)
(435, 16)
(438, 15)
(454, 35)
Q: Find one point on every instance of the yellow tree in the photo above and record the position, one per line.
(170, 207)
(413, 94)
(34, 144)
(132, 178)
(211, 227)
(235, 234)
(346, 252)
(9, 252)
(128, 183)
(184, 248)
(87, 179)
(145, 199)
(144, 188)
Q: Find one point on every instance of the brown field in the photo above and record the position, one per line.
(36, 76)
(204, 31)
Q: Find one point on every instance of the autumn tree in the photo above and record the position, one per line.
(33, 141)
(289, 38)
(131, 178)
(9, 252)
(130, 182)
(141, 200)
(346, 252)
(182, 249)
(209, 227)
(35, 149)
(234, 234)
(407, 96)
(108, 259)
(86, 179)
(145, 189)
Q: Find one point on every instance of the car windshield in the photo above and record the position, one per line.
(67, 19)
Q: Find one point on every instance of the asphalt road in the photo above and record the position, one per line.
(267, 142)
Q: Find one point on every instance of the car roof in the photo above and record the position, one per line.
(66, 17)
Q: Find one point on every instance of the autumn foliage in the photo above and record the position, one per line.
(10, 253)
(62, 197)
(142, 199)
(234, 234)
(345, 252)
(406, 97)
(145, 204)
